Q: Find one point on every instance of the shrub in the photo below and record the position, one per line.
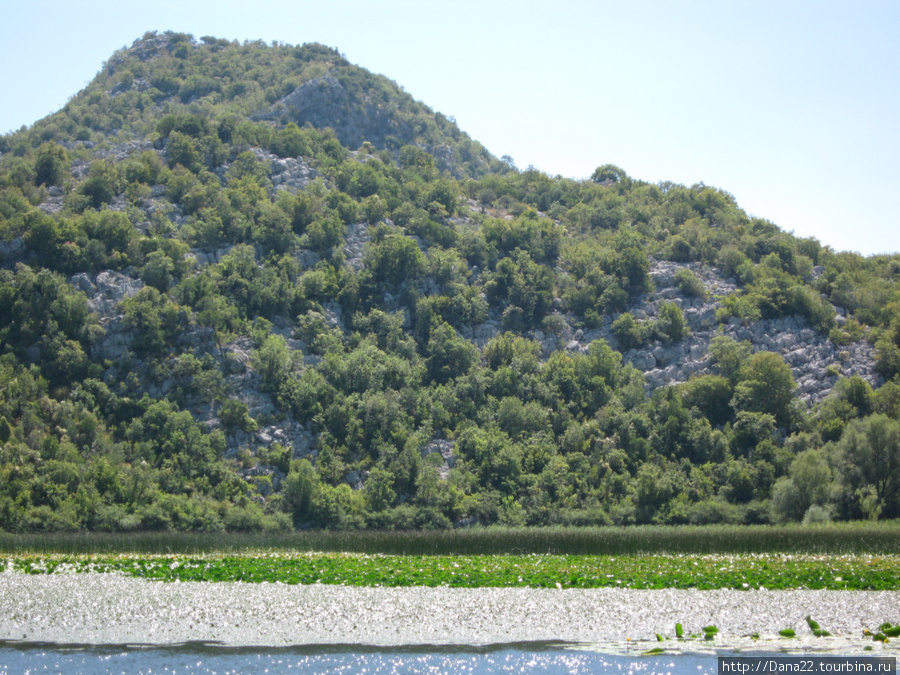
(235, 416)
(671, 325)
(251, 518)
(155, 518)
(628, 332)
(690, 284)
(712, 512)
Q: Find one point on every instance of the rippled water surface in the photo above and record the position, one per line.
(532, 658)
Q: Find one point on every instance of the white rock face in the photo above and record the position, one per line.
(356, 237)
(806, 351)
(106, 289)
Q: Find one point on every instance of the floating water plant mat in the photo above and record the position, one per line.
(773, 572)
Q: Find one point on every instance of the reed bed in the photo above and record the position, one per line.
(833, 538)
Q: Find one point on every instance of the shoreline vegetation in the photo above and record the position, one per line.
(746, 588)
(853, 556)
(866, 537)
(696, 572)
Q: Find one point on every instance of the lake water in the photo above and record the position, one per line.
(195, 658)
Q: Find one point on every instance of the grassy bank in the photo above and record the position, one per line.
(835, 538)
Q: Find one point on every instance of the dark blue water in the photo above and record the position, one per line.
(26, 659)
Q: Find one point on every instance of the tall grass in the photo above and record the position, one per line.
(835, 538)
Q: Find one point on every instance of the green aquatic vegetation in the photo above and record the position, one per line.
(885, 632)
(816, 629)
(889, 630)
(742, 572)
(707, 633)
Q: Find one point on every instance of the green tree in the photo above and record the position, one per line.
(393, 258)
(336, 507)
(671, 324)
(728, 355)
(654, 488)
(752, 429)
(181, 149)
(627, 331)
(289, 142)
(299, 487)
(444, 193)
(766, 385)
(102, 183)
(448, 355)
(710, 395)
(116, 233)
(609, 173)
(523, 287)
(50, 164)
(869, 453)
(690, 284)
(273, 362)
(157, 271)
(324, 233)
(379, 488)
(886, 400)
(235, 415)
(153, 317)
(807, 484)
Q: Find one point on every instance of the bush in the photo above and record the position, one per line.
(756, 513)
(251, 518)
(113, 518)
(713, 512)
(235, 416)
(628, 332)
(45, 519)
(155, 518)
(690, 284)
(50, 164)
(671, 325)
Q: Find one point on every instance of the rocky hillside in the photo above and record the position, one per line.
(248, 286)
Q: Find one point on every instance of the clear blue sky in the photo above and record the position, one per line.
(790, 105)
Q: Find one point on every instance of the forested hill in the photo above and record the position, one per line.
(251, 286)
